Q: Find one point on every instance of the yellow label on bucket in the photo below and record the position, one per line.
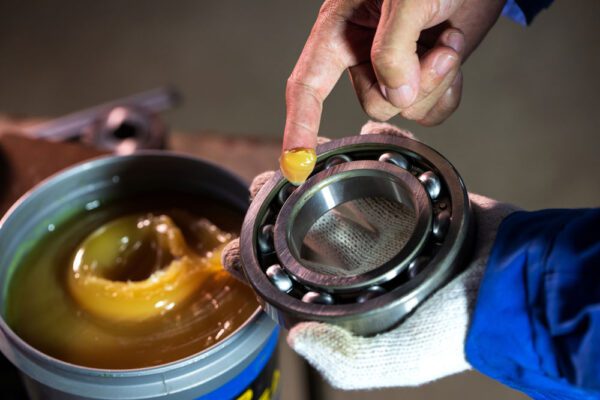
(247, 395)
(268, 392)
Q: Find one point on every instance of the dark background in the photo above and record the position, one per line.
(527, 130)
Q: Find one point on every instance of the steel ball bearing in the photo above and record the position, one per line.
(382, 222)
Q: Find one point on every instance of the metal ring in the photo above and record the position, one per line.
(379, 298)
(337, 185)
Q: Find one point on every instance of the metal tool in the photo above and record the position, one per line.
(122, 126)
(382, 223)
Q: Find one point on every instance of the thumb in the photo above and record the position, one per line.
(258, 182)
(329, 349)
(383, 128)
(426, 347)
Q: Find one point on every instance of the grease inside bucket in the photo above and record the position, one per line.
(42, 309)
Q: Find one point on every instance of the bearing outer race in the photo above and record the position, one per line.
(383, 312)
(380, 274)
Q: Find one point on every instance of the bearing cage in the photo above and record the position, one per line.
(372, 305)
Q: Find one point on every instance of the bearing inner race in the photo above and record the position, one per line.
(348, 190)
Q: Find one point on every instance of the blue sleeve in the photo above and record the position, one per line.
(523, 11)
(536, 324)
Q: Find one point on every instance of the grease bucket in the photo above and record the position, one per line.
(243, 365)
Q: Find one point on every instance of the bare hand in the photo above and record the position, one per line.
(403, 56)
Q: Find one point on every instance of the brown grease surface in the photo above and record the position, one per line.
(41, 310)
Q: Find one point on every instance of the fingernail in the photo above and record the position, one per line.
(402, 96)
(456, 41)
(443, 63)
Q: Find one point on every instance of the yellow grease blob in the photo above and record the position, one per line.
(297, 164)
(176, 260)
(152, 245)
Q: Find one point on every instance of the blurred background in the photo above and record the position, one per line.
(527, 130)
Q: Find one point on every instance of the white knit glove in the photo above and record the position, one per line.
(428, 345)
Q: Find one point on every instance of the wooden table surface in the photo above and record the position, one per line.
(24, 162)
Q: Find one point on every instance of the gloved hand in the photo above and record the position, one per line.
(428, 345)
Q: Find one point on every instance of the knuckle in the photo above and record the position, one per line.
(333, 10)
(424, 11)
(291, 84)
(384, 60)
(434, 7)
(296, 88)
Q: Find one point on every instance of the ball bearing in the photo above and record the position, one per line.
(394, 158)
(381, 223)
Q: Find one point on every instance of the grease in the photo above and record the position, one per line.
(42, 310)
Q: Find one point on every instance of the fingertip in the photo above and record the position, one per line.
(296, 165)
(229, 252)
(312, 332)
(429, 122)
(446, 105)
(402, 97)
(438, 66)
(455, 39)
(444, 62)
(259, 181)
(322, 140)
(231, 260)
(298, 155)
(378, 128)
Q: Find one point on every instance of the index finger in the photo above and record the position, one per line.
(323, 60)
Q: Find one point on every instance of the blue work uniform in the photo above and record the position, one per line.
(523, 11)
(536, 324)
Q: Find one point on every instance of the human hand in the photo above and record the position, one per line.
(426, 346)
(403, 57)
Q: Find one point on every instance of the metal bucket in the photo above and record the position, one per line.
(241, 366)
